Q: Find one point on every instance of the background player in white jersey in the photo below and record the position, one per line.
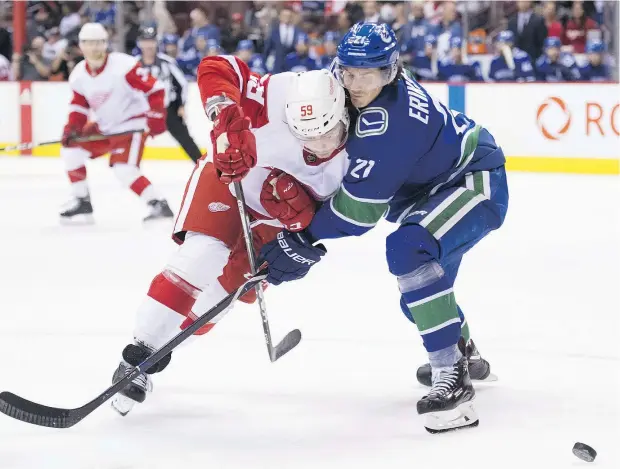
(110, 88)
(281, 189)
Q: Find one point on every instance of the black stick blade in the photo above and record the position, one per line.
(37, 414)
(287, 344)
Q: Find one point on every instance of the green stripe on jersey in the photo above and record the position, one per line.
(435, 312)
(440, 219)
(470, 144)
(362, 212)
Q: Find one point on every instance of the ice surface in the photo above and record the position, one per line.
(541, 296)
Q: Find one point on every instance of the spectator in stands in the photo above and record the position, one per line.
(212, 48)
(32, 66)
(245, 51)
(529, 29)
(510, 63)
(39, 22)
(66, 61)
(6, 44)
(371, 12)
(70, 18)
(413, 33)
(400, 20)
(448, 27)
(425, 63)
(54, 44)
(299, 60)
(200, 27)
(330, 44)
(235, 33)
(595, 69)
(455, 69)
(170, 43)
(579, 29)
(105, 14)
(281, 41)
(554, 27)
(554, 65)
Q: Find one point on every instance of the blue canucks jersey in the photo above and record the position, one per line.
(591, 72)
(402, 149)
(422, 67)
(450, 71)
(523, 70)
(298, 63)
(563, 69)
(257, 64)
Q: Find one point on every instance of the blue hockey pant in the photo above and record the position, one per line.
(425, 252)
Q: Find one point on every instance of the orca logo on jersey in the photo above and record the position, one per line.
(553, 118)
(371, 121)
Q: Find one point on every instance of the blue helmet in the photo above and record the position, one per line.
(368, 45)
(430, 39)
(552, 41)
(456, 42)
(595, 46)
(170, 39)
(214, 45)
(506, 36)
(246, 44)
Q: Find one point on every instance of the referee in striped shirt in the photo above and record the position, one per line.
(165, 68)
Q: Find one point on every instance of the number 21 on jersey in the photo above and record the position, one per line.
(365, 165)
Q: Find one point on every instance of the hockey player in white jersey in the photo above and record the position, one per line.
(287, 178)
(111, 89)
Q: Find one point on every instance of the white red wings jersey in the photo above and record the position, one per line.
(263, 101)
(116, 96)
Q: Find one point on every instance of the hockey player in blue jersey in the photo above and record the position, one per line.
(510, 63)
(435, 173)
(554, 65)
(245, 51)
(300, 61)
(455, 69)
(330, 42)
(425, 65)
(595, 69)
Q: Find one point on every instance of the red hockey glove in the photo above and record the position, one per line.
(69, 134)
(234, 144)
(286, 199)
(156, 121)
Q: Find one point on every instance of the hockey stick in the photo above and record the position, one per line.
(56, 417)
(88, 138)
(291, 339)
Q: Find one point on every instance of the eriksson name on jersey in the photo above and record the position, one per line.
(418, 101)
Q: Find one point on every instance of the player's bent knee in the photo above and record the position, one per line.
(199, 260)
(409, 248)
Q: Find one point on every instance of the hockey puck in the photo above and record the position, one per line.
(584, 452)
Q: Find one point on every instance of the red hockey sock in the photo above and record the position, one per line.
(173, 292)
(77, 175)
(140, 185)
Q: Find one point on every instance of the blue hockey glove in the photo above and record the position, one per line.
(290, 256)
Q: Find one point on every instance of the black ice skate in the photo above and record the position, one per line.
(134, 393)
(158, 209)
(77, 211)
(448, 405)
(479, 368)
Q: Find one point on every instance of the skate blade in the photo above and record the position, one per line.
(78, 220)
(461, 417)
(122, 404)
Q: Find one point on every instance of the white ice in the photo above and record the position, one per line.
(541, 296)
